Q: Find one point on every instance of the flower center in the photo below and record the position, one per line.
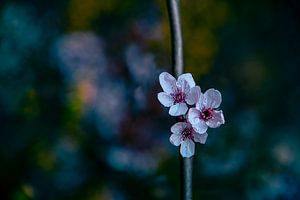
(187, 133)
(206, 114)
(178, 96)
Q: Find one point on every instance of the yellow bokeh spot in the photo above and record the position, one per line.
(82, 13)
(28, 190)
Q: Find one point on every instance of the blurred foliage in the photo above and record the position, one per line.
(79, 115)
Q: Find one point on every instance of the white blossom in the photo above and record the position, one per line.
(205, 114)
(177, 94)
(185, 136)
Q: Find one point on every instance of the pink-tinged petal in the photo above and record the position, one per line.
(193, 96)
(212, 98)
(175, 139)
(200, 137)
(178, 109)
(185, 87)
(178, 127)
(167, 82)
(187, 148)
(200, 127)
(194, 116)
(165, 99)
(216, 120)
(199, 104)
(188, 78)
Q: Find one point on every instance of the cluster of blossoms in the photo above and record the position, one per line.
(196, 111)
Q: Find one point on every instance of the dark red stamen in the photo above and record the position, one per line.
(206, 114)
(178, 96)
(187, 133)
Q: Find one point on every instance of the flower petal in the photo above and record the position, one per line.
(193, 116)
(178, 127)
(200, 137)
(165, 99)
(200, 127)
(216, 120)
(188, 77)
(187, 148)
(167, 82)
(199, 104)
(175, 139)
(184, 85)
(212, 98)
(178, 109)
(193, 96)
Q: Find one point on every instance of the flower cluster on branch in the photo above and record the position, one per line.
(195, 111)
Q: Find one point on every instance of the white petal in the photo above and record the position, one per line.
(200, 127)
(188, 77)
(165, 99)
(193, 96)
(178, 109)
(178, 127)
(185, 87)
(167, 82)
(194, 116)
(216, 120)
(175, 139)
(200, 137)
(212, 98)
(187, 148)
(199, 104)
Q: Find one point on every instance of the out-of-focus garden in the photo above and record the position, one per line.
(79, 115)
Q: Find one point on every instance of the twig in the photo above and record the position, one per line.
(186, 177)
(177, 47)
(186, 164)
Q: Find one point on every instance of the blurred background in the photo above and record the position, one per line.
(79, 117)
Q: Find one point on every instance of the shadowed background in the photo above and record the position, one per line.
(79, 117)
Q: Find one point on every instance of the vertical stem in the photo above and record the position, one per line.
(177, 47)
(186, 164)
(186, 177)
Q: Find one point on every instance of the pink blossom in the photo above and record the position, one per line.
(206, 114)
(177, 94)
(185, 136)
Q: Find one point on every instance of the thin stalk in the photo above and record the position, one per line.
(186, 164)
(176, 36)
